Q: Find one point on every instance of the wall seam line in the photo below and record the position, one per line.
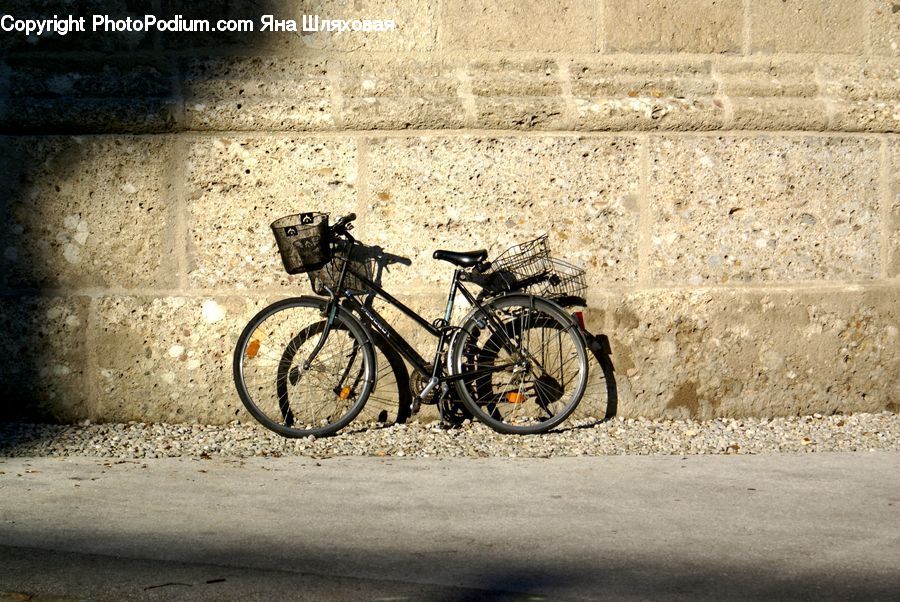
(362, 181)
(486, 132)
(799, 286)
(464, 93)
(644, 218)
(568, 98)
(91, 366)
(868, 13)
(727, 106)
(745, 29)
(466, 54)
(822, 96)
(885, 209)
(600, 43)
(335, 77)
(178, 183)
(439, 29)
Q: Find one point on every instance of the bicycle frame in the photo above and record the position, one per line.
(396, 341)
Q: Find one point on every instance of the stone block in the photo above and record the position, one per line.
(707, 353)
(466, 192)
(400, 93)
(511, 77)
(893, 225)
(87, 212)
(645, 94)
(167, 359)
(533, 25)
(884, 27)
(773, 95)
(42, 376)
(864, 96)
(763, 208)
(535, 113)
(237, 186)
(108, 42)
(518, 94)
(78, 96)
(258, 93)
(702, 26)
(778, 113)
(807, 26)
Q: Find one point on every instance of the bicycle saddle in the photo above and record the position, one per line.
(464, 259)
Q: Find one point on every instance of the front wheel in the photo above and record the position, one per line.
(294, 385)
(522, 364)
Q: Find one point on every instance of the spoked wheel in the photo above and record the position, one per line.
(390, 399)
(291, 387)
(527, 372)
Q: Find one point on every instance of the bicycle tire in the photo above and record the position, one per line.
(518, 408)
(332, 394)
(390, 399)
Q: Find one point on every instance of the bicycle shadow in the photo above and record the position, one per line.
(598, 345)
(375, 262)
(379, 261)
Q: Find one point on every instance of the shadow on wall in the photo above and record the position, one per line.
(55, 262)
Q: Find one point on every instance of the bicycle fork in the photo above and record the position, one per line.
(332, 312)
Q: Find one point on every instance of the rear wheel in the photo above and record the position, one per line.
(291, 388)
(523, 372)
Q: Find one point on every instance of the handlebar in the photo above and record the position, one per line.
(342, 226)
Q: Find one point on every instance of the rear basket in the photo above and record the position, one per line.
(302, 241)
(564, 281)
(517, 268)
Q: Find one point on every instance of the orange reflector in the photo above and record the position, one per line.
(515, 397)
(345, 393)
(253, 348)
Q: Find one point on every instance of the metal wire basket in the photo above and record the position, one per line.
(302, 240)
(361, 262)
(564, 280)
(517, 268)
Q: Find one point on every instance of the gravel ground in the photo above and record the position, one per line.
(858, 432)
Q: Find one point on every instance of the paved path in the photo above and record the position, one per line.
(810, 526)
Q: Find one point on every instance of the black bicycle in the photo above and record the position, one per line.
(307, 365)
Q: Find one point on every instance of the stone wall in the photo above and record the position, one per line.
(726, 170)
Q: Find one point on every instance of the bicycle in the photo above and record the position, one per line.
(516, 361)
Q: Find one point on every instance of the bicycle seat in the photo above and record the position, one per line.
(464, 259)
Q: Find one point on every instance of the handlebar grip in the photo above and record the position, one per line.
(343, 221)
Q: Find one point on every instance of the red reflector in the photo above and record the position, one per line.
(579, 317)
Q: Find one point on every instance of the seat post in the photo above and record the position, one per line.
(448, 313)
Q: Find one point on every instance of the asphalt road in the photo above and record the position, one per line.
(815, 526)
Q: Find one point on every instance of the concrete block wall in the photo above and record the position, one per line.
(726, 170)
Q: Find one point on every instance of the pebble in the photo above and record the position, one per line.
(805, 434)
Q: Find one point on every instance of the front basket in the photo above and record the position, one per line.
(302, 241)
